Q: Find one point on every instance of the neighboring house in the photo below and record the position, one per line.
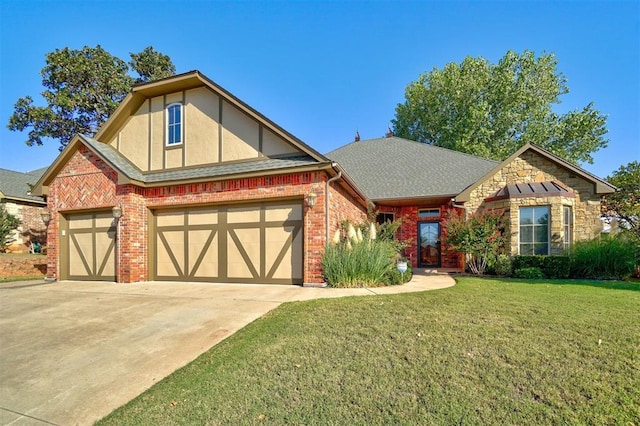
(185, 182)
(549, 203)
(16, 197)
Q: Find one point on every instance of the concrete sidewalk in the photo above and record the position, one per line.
(71, 352)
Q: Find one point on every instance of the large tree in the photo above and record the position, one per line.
(491, 110)
(82, 88)
(624, 204)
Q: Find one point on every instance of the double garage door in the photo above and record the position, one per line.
(257, 243)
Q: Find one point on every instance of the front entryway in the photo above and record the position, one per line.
(428, 244)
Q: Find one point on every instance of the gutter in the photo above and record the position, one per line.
(326, 201)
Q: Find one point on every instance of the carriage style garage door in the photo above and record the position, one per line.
(90, 247)
(257, 243)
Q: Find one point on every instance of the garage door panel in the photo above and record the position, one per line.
(256, 243)
(203, 253)
(80, 254)
(170, 246)
(243, 253)
(284, 252)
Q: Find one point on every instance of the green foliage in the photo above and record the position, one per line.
(151, 65)
(491, 110)
(528, 273)
(393, 277)
(502, 265)
(605, 257)
(624, 205)
(481, 237)
(82, 89)
(551, 266)
(8, 223)
(359, 264)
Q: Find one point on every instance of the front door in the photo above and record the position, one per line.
(429, 244)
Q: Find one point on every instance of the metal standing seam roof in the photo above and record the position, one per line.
(532, 189)
(132, 172)
(16, 184)
(396, 168)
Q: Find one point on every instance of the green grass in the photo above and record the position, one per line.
(486, 351)
(21, 278)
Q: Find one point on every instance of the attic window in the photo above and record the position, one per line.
(174, 124)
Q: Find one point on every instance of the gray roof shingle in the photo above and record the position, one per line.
(396, 168)
(219, 170)
(16, 184)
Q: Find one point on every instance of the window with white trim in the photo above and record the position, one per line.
(384, 217)
(534, 230)
(174, 124)
(567, 225)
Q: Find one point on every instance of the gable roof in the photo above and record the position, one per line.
(129, 173)
(601, 186)
(186, 81)
(15, 185)
(396, 168)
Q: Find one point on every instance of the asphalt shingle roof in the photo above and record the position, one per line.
(214, 171)
(16, 184)
(396, 168)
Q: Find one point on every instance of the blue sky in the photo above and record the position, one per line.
(323, 70)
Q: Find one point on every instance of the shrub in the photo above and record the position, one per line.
(358, 262)
(605, 257)
(528, 273)
(481, 236)
(502, 265)
(394, 277)
(551, 266)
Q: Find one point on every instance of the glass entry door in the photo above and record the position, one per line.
(429, 244)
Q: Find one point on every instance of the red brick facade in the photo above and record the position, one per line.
(408, 233)
(88, 183)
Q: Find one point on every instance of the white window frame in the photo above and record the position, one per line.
(169, 125)
(567, 226)
(533, 235)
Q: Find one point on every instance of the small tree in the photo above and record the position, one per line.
(481, 237)
(8, 223)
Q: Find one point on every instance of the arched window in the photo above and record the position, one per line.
(174, 124)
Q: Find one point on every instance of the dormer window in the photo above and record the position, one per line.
(174, 124)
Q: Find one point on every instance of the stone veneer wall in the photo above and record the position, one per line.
(531, 167)
(87, 183)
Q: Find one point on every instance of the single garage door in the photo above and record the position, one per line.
(91, 247)
(257, 243)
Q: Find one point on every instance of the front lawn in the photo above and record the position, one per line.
(486, 351)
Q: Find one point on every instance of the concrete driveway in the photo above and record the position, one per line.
(71, 352)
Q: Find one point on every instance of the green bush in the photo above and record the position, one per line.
(529, 273)
(394, 277)
(502, 265)
(360, 264)
(551, 266)
(605, 257)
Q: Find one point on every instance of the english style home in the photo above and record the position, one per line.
(185, 182)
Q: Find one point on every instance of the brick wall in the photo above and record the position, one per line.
(31, 225)
(408, 233)
(86, 182)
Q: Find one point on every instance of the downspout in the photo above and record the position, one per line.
(326, 201)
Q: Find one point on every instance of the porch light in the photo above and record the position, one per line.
(311, 199)
(117, 212)
(46, 216)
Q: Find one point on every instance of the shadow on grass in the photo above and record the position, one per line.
(633, 285)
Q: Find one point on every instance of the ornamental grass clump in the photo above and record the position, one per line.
(358, 261)
(605, 257)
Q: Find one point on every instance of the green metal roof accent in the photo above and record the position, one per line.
(122, 165)
(15, 185)
(395, 168)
